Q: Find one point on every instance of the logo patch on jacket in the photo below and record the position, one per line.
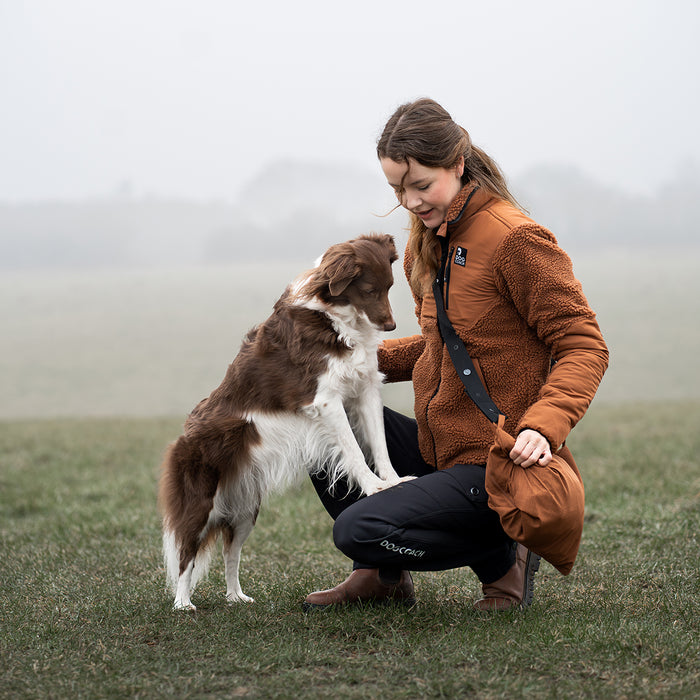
(461, 256)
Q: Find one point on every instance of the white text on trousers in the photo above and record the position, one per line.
(401, 550)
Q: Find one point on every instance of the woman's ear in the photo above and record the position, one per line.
(459, 167)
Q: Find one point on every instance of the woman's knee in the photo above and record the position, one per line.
(353, 530)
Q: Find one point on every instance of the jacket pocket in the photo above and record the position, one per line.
(472, 481)
(479, 371)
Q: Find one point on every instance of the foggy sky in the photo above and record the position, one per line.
(193, 99)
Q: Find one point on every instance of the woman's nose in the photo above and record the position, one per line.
(410, 201)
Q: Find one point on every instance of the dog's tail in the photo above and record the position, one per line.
(179, 519)
(171, 560)
(167, 504)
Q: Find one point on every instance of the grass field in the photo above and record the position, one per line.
(84, 613)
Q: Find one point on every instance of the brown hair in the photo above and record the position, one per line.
(424, 131)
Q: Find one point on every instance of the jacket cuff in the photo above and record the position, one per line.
(397, 357)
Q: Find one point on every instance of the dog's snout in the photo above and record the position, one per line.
(390, 325)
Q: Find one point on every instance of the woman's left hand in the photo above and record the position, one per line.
(531, 448)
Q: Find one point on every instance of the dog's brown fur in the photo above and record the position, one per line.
(276, 372)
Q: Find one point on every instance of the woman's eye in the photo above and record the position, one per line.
(423, 188)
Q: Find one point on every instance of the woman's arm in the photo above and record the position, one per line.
(538, 276)
(397, 357)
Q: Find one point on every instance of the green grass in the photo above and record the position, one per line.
(84, 613)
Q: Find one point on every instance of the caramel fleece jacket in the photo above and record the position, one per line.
(512, 297)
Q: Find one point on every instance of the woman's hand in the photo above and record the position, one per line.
(531, 448)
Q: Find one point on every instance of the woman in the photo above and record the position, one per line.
(511, 295)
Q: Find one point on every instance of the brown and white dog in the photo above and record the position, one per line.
(302, 396)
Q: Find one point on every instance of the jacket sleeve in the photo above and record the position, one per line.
(538, 277)
(397, 356)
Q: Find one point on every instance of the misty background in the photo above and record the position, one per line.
(166, 168)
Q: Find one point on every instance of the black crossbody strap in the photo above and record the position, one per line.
(460, 358)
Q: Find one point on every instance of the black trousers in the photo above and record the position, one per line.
(440, 520)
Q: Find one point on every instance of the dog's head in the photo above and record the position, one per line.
(358, 273)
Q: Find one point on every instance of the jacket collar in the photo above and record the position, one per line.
(468, 200)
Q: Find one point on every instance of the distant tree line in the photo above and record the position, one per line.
(584, 214)
(296, 210)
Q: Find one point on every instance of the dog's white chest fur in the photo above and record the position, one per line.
(354, 372)
(350, 375)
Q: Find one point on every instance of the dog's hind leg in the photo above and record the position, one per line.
(194, 556)
(180, 579)
(184, 586)
(234, 537)
(194, 565)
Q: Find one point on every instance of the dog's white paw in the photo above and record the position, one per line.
(389, 483)
(235, 598)
(375, 488)
(187, 607)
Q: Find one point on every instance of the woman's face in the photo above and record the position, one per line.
(426, 192)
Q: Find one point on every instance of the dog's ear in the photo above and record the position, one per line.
(389, 243)
(340, 268)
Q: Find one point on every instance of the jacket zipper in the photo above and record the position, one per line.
(444, 275)
(427, 422)
(446, 279)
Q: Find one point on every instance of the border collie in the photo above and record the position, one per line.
(301, 396)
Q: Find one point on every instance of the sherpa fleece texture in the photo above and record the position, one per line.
(514, 301)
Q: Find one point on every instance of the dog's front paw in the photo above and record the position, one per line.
(186, 607)
(375, 487)
(385, 484)
(386, 472)
(235, 598)
(390, 483)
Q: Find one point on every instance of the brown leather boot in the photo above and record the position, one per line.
(363, 585)
(516, 588)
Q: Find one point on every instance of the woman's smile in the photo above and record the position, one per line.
(425, 192)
